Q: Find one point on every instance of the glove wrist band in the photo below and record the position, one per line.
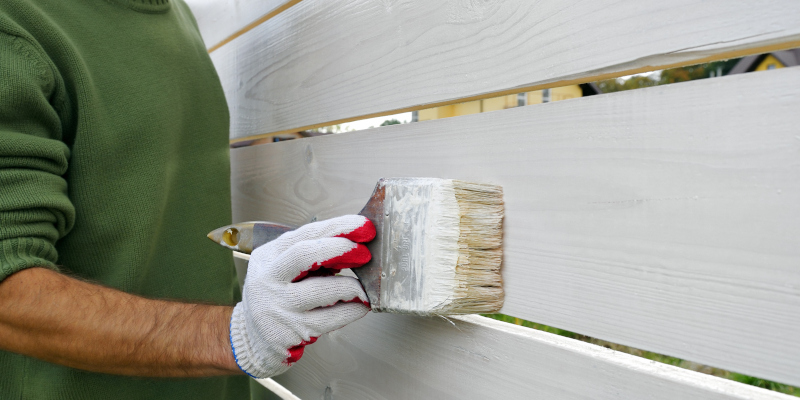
(238, 340)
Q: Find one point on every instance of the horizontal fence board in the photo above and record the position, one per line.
(663, 218)
(396, 357)
(218, 20)
(325, 61)
(277, 390)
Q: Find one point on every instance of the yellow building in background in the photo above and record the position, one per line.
(507, 101)
(770, 62)
(763, 62)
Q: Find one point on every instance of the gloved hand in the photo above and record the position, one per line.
(290, 298)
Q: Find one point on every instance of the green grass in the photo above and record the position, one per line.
(762, 383)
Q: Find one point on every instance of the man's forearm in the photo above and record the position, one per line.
(66, 321)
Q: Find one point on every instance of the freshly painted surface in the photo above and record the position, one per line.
(397, 357)
(328, 61)
(220, 19)
(662, 218)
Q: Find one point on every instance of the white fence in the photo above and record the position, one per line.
(666, 219)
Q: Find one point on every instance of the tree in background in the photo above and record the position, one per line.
(391, 122)
(634, 82)
(672, 75)
(700, 71)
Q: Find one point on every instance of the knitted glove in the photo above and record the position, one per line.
(290, 298)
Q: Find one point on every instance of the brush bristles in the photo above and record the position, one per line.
(440, 247)
(479, 285)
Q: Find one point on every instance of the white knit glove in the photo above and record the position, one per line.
(290, 299)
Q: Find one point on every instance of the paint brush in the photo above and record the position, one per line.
(437, 250)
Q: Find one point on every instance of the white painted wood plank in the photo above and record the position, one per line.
(665, 218)
(324, 60)
(277, 389)
(219, 19)
(396, 357)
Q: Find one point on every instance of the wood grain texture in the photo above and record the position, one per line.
(664, 218)
(324, 61)
(396, 357)
(220, 20)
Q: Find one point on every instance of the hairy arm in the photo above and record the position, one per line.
(53, 317)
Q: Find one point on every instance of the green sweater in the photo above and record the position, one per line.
(114, 165)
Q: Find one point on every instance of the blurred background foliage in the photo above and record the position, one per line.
(667, 76)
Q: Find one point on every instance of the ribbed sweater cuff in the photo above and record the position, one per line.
(20, 253)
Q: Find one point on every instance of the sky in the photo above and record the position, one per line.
(653, 74)
(377, 121)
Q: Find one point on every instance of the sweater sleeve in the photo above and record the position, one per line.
(35, 210)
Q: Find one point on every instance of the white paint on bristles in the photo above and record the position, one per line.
(441, 248)
(420, 246)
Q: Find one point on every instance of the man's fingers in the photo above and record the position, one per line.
(326, 319)
(303, 258)
(362, 234)
(318, 292)
(356, 228)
